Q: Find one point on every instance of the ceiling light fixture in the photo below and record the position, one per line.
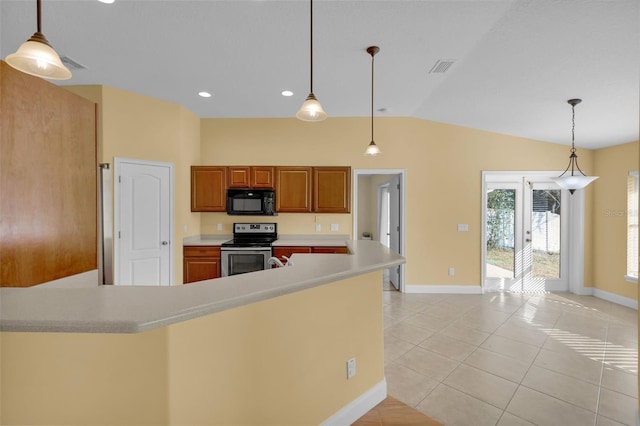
(36, 56)
(311, 110)
(573, 181)
(372, 149)
(204, 94)
(287, 93)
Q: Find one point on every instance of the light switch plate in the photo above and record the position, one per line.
(334, 226)
(318, 227)
(463, 227)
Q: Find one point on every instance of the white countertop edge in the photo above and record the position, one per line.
(133, 309)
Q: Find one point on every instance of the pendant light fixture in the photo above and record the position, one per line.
(574, 180)
(36, 56)
(311, 110)
(372, 148)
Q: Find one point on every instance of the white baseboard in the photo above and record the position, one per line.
(616, 298)
(443, 289)
(359, 406)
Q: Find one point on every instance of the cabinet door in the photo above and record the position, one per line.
(262, 177)
(293, 189)
(332, 189)
(238, 176)
(200, 268)
(337, 250)
(208, 189)
(200, 263)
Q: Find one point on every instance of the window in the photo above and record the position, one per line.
(632, 227)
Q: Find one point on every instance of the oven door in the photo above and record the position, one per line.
(240, 260)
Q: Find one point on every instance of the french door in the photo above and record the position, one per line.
(526, 234)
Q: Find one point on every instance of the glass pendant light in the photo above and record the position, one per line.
(37, 57)
(311, 110)
(372, 148)
(574, 180)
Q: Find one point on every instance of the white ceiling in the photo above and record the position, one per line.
(516, 61)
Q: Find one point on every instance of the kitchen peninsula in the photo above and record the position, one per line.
(268, 347)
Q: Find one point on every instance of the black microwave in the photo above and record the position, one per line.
(251, 202)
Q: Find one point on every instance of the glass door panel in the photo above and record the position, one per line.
(524, 235)
(501, 214)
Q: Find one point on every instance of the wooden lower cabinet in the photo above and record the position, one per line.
(336, 250)
(281, 251)
(200, 263)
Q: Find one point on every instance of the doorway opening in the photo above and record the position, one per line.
(379, 214)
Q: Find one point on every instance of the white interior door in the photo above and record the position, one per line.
(526, 235)
(144, 214)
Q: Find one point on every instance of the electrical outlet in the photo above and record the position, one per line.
(351, 368)
(334, 226)
(219, 227)
(185, 228)
(451, 271)
(318, 227)
(463, 227)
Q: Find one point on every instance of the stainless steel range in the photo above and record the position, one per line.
(250, 249)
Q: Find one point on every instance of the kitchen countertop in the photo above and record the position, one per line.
(310, 240)
(133, 309)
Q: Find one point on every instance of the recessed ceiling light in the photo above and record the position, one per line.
(106, 1)
(287, 93)
(204, 94)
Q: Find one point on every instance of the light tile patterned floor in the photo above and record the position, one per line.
(512, 359)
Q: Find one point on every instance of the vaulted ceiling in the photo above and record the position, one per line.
(514, 62)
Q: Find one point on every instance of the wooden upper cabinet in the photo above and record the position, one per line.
(251, 177)
(332, 189)
(238, 176)
(263, 177)
(208, 189)
(293, 189)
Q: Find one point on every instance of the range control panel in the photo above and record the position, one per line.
(254, 228)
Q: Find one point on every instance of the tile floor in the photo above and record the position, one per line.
(512, 359)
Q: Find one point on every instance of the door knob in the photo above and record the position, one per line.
(165, 243)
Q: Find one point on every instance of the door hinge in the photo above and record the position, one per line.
(119, 179)
(119, 235)
(398, 186)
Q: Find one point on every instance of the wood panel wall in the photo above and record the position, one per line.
(48, 181)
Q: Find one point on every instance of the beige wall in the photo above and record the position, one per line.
(443, 163)
(140, 127)
(610, 218)
(281, 361)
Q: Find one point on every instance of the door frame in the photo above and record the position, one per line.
(402, 216)
(575, 213)
(117, 167)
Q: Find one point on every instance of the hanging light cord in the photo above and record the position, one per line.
(39, 9)
(311, 46)
(573, 158)
(372, 59)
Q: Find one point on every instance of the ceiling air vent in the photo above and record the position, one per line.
(442, 66)
(71, 64)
